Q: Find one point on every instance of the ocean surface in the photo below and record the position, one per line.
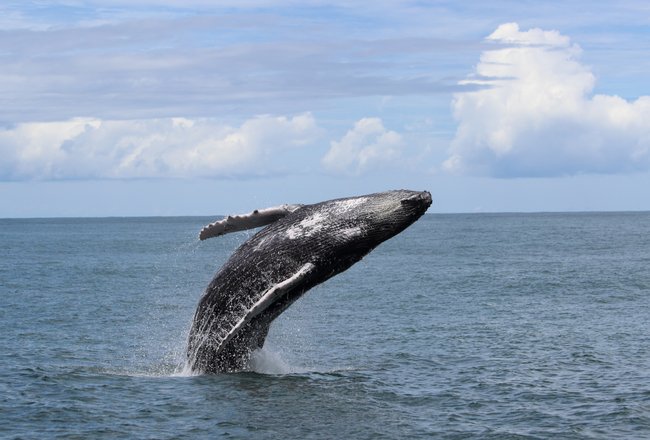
(478, 326)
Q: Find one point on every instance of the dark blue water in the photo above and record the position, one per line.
(464, 326)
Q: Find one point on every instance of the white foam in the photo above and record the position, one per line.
(185, 371)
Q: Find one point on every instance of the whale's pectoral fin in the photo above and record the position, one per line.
(255, 219)
(267, 299)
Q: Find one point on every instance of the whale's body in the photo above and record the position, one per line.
(300, 248)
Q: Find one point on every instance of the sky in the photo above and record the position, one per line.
(197, 107)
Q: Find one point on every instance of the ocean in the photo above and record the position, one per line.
(465, 326)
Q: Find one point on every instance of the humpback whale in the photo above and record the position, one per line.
(299, 247)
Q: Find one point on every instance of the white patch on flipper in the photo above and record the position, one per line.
(307, 227)
(255, 219)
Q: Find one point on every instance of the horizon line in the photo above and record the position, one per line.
(99, 217)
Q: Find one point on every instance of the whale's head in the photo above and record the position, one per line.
(350, 228)
(383, 215)
(389, 213)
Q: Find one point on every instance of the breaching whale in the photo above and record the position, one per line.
(302, 246)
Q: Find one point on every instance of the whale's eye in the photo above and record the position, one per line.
(412, 201)
(417, 200)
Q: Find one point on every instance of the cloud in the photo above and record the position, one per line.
(537, 115)
(368, 144)
(172, 147)
(142, 63)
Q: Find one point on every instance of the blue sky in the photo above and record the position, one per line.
(170, 107)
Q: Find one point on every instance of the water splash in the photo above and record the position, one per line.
(184, 370)
(267, 361)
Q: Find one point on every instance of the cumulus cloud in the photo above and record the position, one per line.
(171, 147)
(368, 144)
(537, 114)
